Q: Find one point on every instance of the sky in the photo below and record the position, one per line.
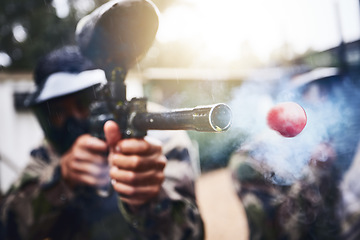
(223, 26)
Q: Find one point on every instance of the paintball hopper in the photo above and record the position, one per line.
(115, 36)
(118, 33)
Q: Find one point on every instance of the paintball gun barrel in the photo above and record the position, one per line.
(211, 118)
(115, 36)
(137, 120)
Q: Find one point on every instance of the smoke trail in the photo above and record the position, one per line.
(331, 107)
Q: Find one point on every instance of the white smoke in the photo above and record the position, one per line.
(332, 118)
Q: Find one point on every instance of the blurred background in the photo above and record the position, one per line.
(204, 52)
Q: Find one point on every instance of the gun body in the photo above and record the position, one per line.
(134, 119)
(114, 37)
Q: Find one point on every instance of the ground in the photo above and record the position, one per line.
(222, 212)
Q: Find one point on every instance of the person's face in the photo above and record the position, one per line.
(72, 106)
(64, 119)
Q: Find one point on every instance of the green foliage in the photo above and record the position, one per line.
(44, 30)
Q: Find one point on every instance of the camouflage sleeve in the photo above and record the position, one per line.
(174, 214)
(35, 201)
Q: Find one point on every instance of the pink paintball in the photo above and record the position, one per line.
(287, 118)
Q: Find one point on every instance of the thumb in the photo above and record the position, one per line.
(112, 133)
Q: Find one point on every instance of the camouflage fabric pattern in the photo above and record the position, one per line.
(310, 208)
(350, 203)
(41, 206)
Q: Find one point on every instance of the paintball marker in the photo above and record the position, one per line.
(115, 36)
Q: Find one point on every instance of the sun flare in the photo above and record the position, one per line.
(222, 29)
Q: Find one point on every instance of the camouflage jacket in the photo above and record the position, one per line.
(40, 205)
(311, 207)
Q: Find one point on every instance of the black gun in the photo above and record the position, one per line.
(115, 36)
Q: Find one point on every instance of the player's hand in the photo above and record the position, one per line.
(85, 163)
(137, 166)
